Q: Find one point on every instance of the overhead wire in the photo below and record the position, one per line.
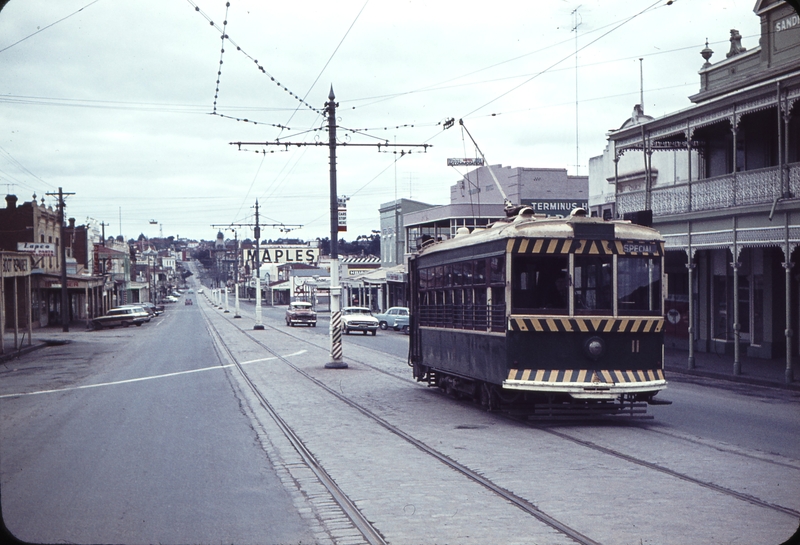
(48, 26)
(572, 54)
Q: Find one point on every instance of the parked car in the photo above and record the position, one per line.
(153, 309)
(402, 323)
(123, 316)
(389, 318)
(301, 312)
(140, 306)
(358, 319)
(170, 299)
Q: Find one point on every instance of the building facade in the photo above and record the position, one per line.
(722, 179)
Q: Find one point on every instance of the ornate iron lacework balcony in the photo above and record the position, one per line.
(746, 188)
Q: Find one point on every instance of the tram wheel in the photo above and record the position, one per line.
(488, 397)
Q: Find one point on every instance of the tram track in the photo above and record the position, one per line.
(370, 533)
(509, 496)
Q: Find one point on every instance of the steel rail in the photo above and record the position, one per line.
(655, 467)
(534, 511)
(507, 495)
(370, 533)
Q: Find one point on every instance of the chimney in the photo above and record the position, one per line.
(72, 223)
(11, 202)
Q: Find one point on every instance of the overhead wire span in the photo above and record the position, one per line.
(255, 61)
(629, 19)
(329, 60)
(221, 54)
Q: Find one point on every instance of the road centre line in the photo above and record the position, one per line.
(127, 381)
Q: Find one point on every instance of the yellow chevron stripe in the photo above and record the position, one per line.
(523, 247)
(526, 374)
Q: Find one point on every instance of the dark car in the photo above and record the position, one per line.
(123, 316)
(301, 312)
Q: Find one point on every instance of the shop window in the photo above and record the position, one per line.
(757, 336)
(721, 314)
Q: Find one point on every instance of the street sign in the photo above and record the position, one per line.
(342, 214)
(466, 162)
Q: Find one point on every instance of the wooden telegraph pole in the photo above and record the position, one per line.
(63, 259)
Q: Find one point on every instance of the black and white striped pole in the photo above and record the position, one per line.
(335, 290)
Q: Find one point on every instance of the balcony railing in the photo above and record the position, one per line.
(745, 188)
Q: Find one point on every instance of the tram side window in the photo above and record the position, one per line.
(594, 284)
(540, 283)
(639, 285)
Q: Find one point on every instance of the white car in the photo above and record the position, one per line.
(358, 319)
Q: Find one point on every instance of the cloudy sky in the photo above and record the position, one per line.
(115, 101)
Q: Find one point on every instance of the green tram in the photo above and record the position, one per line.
(556, 315)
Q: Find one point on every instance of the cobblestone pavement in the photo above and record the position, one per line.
(618, 483)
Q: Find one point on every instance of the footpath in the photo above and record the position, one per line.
(755, 371)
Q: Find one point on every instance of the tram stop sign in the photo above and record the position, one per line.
(673, 316)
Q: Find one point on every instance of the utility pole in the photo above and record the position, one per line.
(63, 258)
(335, 290)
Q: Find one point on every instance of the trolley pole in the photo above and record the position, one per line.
(257, 233)
(336, 314)
(335, 290)
(236, 273)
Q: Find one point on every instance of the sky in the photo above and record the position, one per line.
(130, 107)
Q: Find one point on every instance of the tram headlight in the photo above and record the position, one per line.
(594, 347)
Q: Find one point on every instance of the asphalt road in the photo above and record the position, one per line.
(169, 459)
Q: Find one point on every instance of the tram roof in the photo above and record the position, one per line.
(528, 225)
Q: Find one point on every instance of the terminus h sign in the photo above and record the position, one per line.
(283, 254)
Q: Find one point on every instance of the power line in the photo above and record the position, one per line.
(629, 19)
(48, 26)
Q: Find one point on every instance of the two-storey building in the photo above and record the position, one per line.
(722, 179)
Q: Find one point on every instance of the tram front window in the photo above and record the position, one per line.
(639, 285)
(540, 284)
(593, 279)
